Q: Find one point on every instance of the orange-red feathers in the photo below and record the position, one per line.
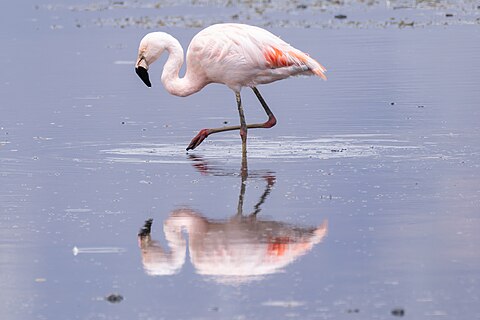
(277, 58)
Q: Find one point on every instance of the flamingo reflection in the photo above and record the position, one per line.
(235, 250)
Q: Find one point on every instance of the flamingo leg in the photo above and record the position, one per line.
(243, 124)
(198, 139)
(271, 118)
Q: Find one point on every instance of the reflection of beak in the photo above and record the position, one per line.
(143, 74)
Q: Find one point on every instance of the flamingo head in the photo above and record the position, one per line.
(141, 68)
(149, 50)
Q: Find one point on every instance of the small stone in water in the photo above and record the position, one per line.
(398, 312)
(114, 298)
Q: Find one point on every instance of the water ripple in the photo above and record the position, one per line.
(286, 148)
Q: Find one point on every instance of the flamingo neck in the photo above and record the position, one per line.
(170, 77)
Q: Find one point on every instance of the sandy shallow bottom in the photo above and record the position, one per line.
(363, 202)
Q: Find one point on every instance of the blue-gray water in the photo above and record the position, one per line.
(382, 159)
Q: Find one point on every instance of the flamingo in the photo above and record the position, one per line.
(236, 55)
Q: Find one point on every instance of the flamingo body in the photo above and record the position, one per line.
(236, 55)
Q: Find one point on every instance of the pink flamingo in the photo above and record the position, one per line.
(236, 55)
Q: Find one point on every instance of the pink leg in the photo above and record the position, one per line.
(204, 133)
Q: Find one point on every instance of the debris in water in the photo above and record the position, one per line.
(405, 24)
(398, 312)
(114, 298)
(283, 304)
(76, 250)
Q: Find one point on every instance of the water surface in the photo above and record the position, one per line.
(362, 202)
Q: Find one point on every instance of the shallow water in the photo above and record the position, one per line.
(363, 202)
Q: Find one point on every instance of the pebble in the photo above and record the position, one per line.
(398, 312)
(114, 298)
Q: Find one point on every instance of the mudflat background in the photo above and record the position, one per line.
(362, 203)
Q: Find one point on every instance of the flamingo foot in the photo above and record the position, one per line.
(270, 179)
(198, 139)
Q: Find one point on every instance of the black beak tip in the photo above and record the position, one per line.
(143, 74)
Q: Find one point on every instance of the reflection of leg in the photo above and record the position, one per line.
(200, 164)
(244, 169)
(263, 197)
(243, 186)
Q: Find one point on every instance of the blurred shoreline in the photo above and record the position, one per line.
(301, 14)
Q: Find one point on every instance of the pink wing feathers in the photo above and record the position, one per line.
(279, 54)
(277, 58)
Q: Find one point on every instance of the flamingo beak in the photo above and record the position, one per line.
(143, 74)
